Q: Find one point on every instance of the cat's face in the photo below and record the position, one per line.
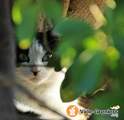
(38, 55)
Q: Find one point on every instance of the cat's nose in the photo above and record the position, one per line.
(35, 73)
(35, 70)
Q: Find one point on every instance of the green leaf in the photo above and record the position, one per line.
(24, 4)
(114, 96)
(27, 28)
(52, 10)
(89, 67)
(118, 31)
(74, 30)
(67, 53)
(103, 117)
(109, 99)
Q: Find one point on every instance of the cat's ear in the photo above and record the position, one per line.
(46, 57)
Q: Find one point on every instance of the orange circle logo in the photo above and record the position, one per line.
(72, 110)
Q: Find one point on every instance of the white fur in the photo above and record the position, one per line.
(36, 53)
(45, 86)
(48, 91)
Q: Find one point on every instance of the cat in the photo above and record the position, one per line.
(42, 81)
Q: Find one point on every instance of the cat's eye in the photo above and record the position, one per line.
(23, 58)
(21, 55)
(46, 57)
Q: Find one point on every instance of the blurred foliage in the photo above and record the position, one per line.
(52, 10)
(91, 56)
(80, 80)
(25, 15)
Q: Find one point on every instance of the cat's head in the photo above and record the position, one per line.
(39, 53)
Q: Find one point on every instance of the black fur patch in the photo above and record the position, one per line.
(52, 39)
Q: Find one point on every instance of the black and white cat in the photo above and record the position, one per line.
(44, 83)
(39, 53)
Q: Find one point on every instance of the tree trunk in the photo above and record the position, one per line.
(7, 62)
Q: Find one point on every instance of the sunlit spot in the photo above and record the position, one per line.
(16, 14)
(113, 56)
(68, 57)
(24, 43)
(96, 43)
(111, 3)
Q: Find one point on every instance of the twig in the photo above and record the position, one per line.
(66, 4)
